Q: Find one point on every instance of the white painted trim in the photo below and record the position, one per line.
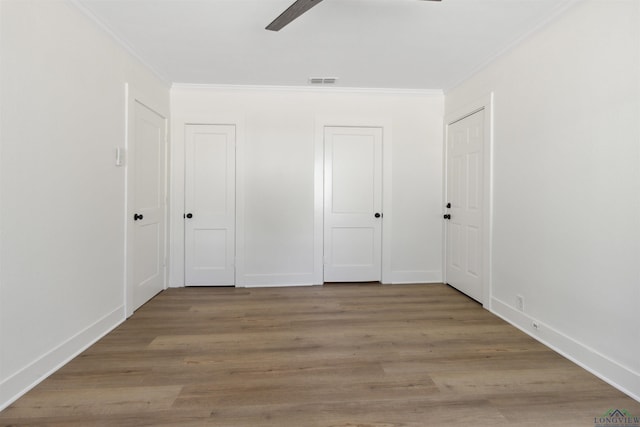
(314, 89)
(240, 261)
(128, 202)
(386, 125)
(279, 285)
(484, 103)
(120, 41)
(275, 280)
(608, 370)
(409, 277)
(127, 294)
(176, 203)
(177, 183)
(31, 375)
(318, 203)
(133, 96)
(387, 199)
(560, 9)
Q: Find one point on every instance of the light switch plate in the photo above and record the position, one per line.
(120, 156)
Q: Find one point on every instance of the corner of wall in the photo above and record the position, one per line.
(31, 375)
(608, 370)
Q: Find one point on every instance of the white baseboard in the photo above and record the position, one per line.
(608, 370)
(274, 280)
(280, 285)
(420, 276)
(31, 375)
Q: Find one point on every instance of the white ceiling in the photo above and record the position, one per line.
(401, 44)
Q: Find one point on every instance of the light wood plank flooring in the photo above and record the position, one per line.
(338, 355)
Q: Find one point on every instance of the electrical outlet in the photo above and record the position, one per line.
(520, 302)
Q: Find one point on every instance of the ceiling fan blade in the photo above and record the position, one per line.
(294, 11)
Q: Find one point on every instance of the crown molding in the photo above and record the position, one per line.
(560, 9)
(324, 89)
(119, 41)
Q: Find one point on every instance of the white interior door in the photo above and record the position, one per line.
(352, 204)
(210, 205)
(147, 153)
(465, 179)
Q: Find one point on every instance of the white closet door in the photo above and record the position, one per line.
(465, 179)
(210, 205)
(353, 204)
(146, 182)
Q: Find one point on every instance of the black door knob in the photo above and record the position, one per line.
(189, 215)
(447, 216)
(448, 205)
(377, 215)
(137, 217)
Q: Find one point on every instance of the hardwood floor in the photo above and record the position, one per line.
(338, 355)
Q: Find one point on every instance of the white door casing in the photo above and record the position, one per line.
(465, 194)
(209, 223)
(146, 214)
(352, 204)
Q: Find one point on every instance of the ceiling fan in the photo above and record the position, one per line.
(294, 11)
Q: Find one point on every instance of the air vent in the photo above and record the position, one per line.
(323, 80)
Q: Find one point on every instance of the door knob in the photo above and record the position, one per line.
(447, 216)
(377, 215)
(448, 205)
(189, 215)
(137, 217)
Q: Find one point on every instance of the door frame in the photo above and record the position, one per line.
(484, 103)
(318, 189)
(177, 188)
(133, 96)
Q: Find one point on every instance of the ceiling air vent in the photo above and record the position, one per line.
(323, 80)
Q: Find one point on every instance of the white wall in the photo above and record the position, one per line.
(567, 185)
(61, 196)
(275, 177)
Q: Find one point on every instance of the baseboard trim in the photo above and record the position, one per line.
(417, 276)
(274, 280)
(31, 375)
(279, 285)
(608, 370)
(281, 280)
